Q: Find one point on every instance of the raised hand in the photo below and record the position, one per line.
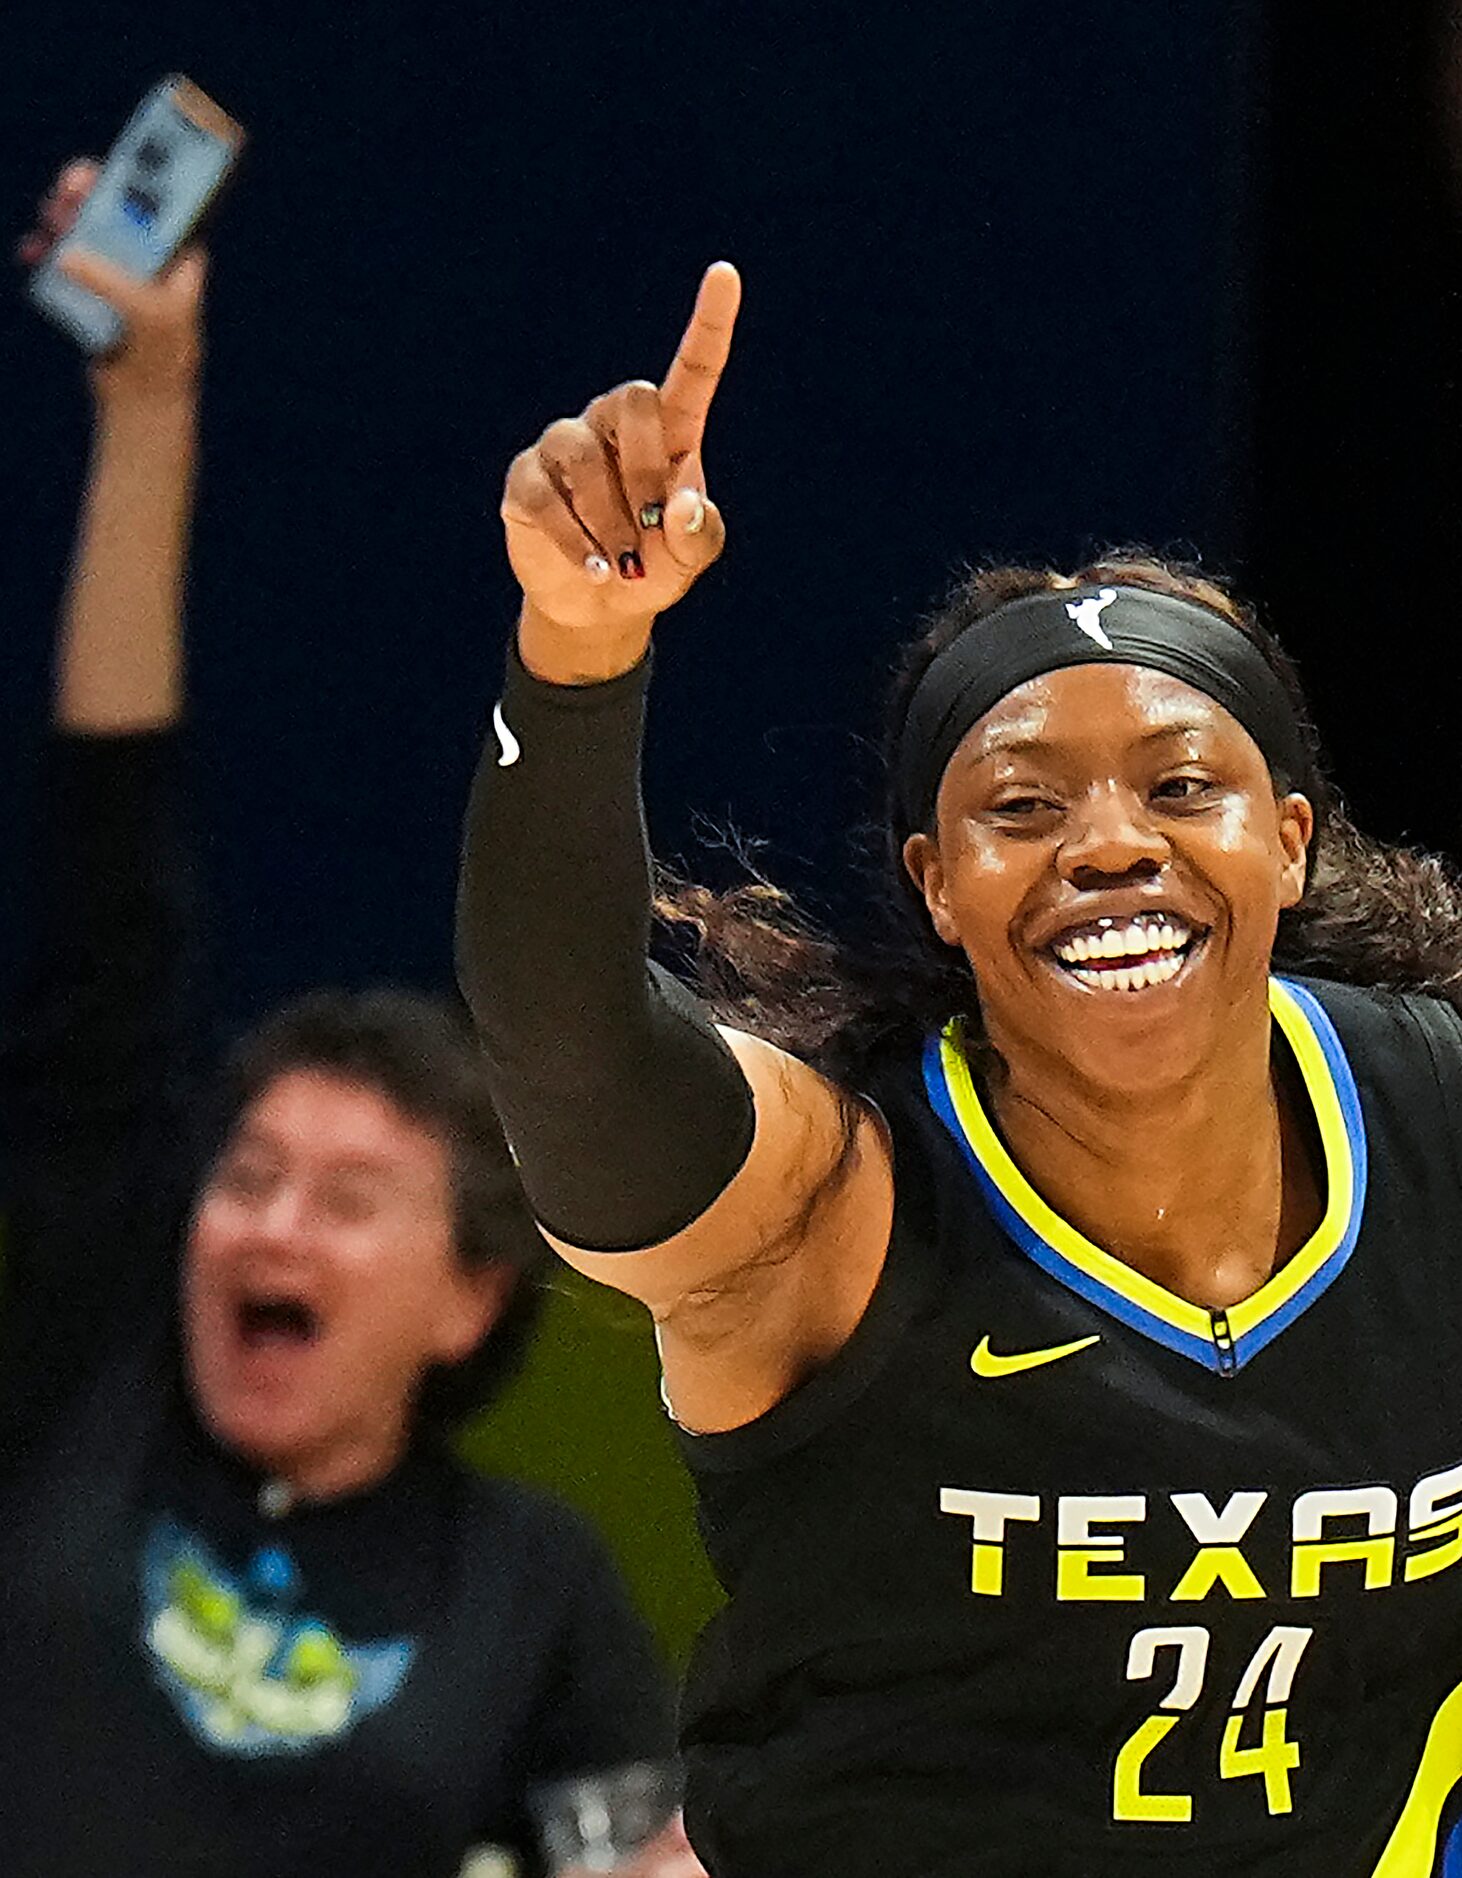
(607, 518)
(160, 353)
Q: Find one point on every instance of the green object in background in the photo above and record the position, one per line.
(584, 1420)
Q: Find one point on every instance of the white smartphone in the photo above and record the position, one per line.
(160, 177)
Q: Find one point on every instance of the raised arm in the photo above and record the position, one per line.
(735, 1192)
(95, 1053)
(119, 655)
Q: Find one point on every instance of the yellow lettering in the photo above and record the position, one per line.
(1435, 1513)
(1275, 1758)
(1428, 1564)
(1313, 1551)
(1218, 1565)
(1128, 1799)
(1079, 1579)
(989, 1514)
(1378, 1556)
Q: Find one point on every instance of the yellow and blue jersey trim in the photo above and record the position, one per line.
(1219, 1340)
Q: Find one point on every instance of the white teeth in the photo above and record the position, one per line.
(1140, 938)
(1128, 977)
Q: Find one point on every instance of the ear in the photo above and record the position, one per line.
(926, 870)
(1296, 831)
(475, 1299)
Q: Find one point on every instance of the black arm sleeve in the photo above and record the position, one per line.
(626, 1111)
(96, 1090)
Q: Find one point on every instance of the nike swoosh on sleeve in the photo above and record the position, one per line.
(507, 743)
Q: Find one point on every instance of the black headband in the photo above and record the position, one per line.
(1047, 631)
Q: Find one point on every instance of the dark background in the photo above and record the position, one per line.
(1022, 280)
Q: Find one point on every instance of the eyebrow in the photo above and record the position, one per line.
(249, 1140)
(372, 1164)
(1014, 744)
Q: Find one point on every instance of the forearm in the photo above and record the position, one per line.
(119, 656)
(627, 1112)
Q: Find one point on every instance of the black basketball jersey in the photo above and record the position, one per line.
(1051, 1571)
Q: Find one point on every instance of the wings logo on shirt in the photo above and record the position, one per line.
(247, 1675)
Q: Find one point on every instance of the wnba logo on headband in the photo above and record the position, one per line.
(1115, 625)
(1087, 614)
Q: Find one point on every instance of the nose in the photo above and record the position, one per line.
(1111, 837)
(278, 1218)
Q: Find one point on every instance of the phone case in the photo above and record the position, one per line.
(159, 178)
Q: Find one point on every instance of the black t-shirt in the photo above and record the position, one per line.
(194, 1675)
(1051, 1571)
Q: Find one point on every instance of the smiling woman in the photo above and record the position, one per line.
(1372, 913)
(1033, 1295)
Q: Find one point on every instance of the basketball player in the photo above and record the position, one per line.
(1065, 1320)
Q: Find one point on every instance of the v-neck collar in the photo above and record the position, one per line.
(1221, 1340)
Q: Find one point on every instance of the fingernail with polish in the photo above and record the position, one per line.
(631, 567)
(695, 521)
(597, 568)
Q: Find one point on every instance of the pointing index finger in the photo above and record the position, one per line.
(695, 371)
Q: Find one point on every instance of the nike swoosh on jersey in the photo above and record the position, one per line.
(985, 1362)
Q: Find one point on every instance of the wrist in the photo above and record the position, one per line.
(122, 402)
(152, 425)
(566, 655)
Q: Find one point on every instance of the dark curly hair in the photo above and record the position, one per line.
(420, 1053)
(1372, 913)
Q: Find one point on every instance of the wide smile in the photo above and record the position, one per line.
(1127, 955)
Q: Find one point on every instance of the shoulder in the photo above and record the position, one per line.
(523, 1532)
(895, 1063)
(893, 1079)
(906, 1080)
(932, 1220)
(563, 1629)
(511, 1509)
(1395, 1060)
(1385, 1030)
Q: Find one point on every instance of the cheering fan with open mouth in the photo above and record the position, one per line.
(259, 1620)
